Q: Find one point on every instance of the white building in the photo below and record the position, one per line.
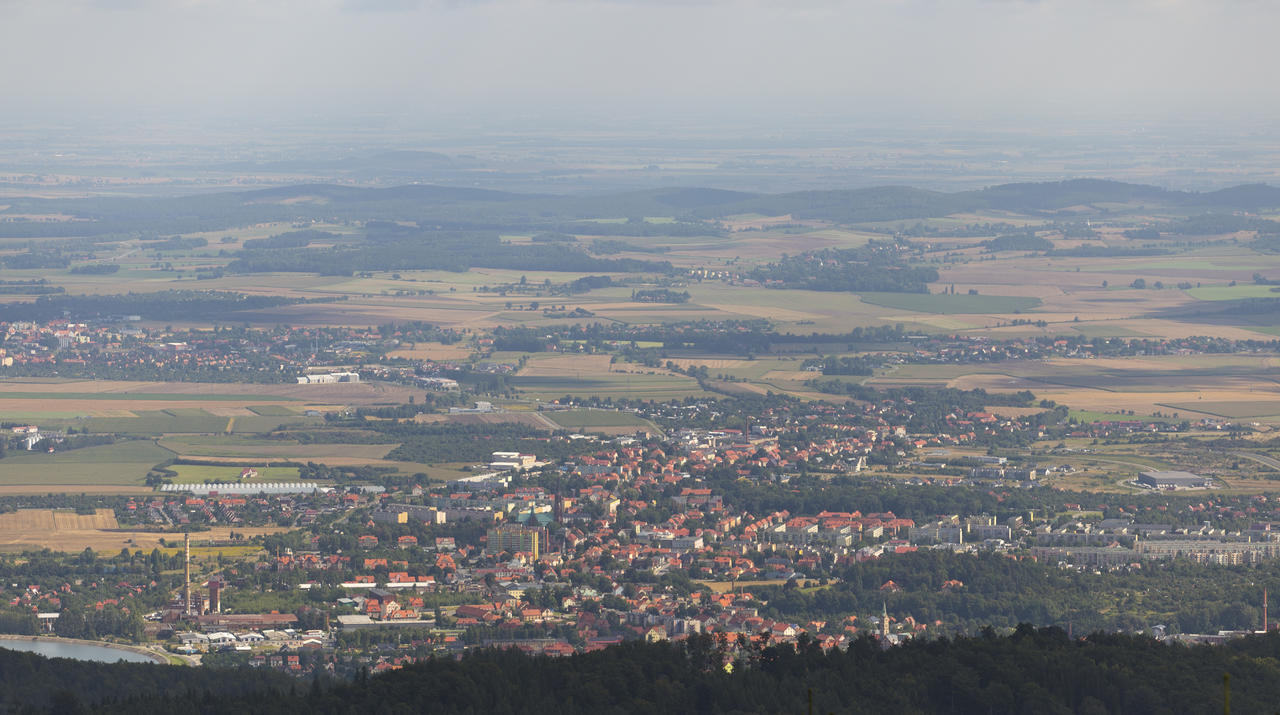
(328, 378)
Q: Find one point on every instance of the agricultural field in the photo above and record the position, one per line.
(1016, 293)
(1192, 387)
(89, 469)
(952, 304)
(1243, 409)
(549, 377)
(200, 473)
(67, 531)
(600, 421)
(153, 408)
(196, 421)
(647, 386)
(272, 410)
(239, 448)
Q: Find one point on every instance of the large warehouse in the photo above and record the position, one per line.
(1174, 480)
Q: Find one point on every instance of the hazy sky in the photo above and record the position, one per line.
(968, 58)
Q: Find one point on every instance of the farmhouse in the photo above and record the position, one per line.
(1174, 480)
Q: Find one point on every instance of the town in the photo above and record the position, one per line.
(632, 537)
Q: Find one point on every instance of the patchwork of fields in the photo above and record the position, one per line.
(1150, 291)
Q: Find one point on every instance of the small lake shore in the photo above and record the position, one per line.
(156, 657)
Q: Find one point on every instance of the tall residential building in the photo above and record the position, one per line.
(514, 537)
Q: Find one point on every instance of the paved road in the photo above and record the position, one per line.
(1260, 459)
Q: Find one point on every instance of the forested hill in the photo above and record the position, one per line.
(445, 207)
(1030, 671)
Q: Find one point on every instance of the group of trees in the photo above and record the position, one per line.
(37, 259)
(659, 295)
(35, 286)
(1029, 670)
(878, 266)
(1027, 241)
(848, 365)
(96, 269)
(94, 623)
(998, 591)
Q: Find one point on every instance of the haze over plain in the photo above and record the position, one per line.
(1048, 59)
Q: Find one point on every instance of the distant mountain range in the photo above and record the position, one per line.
(463, 207)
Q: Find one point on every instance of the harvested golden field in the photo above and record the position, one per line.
(765, 311)
(532, 419)
(1182, 402)
(989, 381)
(43, 520)
(1234, 386)
(567, 366)
(67, 531)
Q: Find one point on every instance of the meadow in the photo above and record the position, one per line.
(593, 420)
(124, 463)
(200, 473)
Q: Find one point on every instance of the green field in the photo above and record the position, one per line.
(573, 419)
(240, 448)
(950, 304)
(186, 420)
(199, 473)
(122, 463)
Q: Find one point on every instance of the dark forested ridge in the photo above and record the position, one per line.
(1029, 671)
(463, 208)
(386, 246)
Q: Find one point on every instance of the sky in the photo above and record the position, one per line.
(927, 59)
